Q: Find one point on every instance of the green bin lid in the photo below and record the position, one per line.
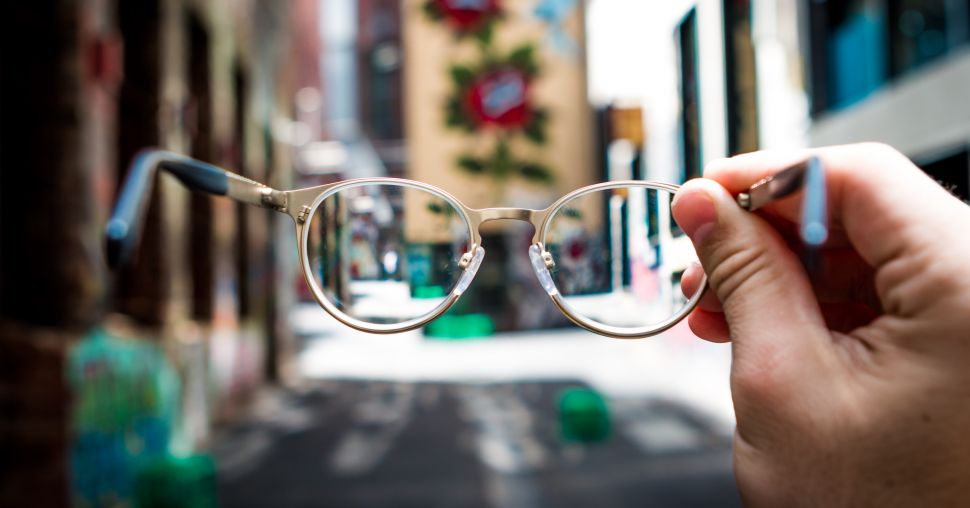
(584, 416)
(176, 482)
(429, 291)
(465, 326)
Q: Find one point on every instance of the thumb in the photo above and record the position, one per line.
(760, 282)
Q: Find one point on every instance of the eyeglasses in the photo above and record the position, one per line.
(387, 255)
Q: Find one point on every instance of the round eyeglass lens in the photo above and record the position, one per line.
(619, 257)
(386, 253)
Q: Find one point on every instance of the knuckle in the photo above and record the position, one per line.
(760, 378)
(882, 150)
(938, 285)
(935, 287)
(887, 157)
(737, 268)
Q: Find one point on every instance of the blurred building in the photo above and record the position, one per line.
(380, 66)
(894, 71)
(388, 81)
(763, 74)
(101, 369)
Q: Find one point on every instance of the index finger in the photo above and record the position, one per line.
(875, 193)
(739, 173)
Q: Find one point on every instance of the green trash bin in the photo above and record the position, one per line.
(177, 482)
(460, 326)
(584, 416)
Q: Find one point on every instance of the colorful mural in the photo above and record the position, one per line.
(466, 17)
(491, 94)
(495, 101)
(126, 401)
(497, 114)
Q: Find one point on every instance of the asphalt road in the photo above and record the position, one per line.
(398, 444)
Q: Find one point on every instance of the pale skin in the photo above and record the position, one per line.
(852, 386)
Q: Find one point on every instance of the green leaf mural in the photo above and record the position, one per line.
(492, 94)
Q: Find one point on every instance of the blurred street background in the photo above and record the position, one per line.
(204, 374)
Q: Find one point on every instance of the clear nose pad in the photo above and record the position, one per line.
(540, 261)
(470, 270)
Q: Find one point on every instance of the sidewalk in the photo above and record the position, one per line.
(403, 420)
(674, 366)
(382, 444)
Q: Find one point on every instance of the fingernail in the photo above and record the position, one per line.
(693, 209)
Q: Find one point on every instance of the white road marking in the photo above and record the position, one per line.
(674, 366)
(377, 420)
(505, 444)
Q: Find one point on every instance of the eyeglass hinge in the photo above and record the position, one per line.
(304, 213)
(272, 198)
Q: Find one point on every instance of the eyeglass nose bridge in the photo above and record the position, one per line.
(483, 215)
(532, 216)
(490, 214)
(537, 252)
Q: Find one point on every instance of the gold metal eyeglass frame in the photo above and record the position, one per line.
(305, 202)
(123, 229)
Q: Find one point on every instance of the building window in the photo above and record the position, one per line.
(849, 51)
(740, 78)
(859, 45)
(200, 205)
(923, 30)
(690, 125)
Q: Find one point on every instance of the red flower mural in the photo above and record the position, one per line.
(492, 95)
(495, 95)
(499, 98)
(466, 15)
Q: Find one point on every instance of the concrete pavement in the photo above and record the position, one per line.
(404, 420)
(392, 444)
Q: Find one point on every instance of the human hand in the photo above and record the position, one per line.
(851, 387)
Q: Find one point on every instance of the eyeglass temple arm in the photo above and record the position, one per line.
(808, 175)
(123, 230)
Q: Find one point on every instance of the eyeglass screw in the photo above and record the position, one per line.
(744, 200)
(547, 259)
(465, 260)
(304, 213)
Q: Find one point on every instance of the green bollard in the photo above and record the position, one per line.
(177, 482)
(460, 326)
(584, 416)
